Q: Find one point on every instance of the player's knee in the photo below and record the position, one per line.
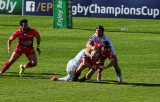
(88, 77)
(33, 63)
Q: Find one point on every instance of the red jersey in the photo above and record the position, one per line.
(102, 55)
(108, 54)
(25, 38)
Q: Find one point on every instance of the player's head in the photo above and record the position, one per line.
(24, 25)
(105, 46)
(99, 30)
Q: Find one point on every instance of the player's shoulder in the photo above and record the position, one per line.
(93, 36)
(18, 31)
(32, 29)
(105, 36)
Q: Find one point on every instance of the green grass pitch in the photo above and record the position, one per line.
(138, 52)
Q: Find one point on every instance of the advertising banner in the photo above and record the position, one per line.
(38, 7)
(11, 7)
(62, 12)
(141, 9)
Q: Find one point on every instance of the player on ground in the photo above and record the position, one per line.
(105, 53)
(71, 66)
(100, 37)
(25, 35)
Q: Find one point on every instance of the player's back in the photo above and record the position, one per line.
(96, 39)
(78, 58)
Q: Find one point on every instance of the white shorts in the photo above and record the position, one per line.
(71, 69)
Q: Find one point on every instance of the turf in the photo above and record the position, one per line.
(138, 52)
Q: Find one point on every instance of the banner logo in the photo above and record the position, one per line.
(7, 5)
(30, 6)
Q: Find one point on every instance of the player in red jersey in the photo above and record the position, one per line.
(25, 35)
(105, 53)
(100, 37)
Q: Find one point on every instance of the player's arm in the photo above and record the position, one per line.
(112, 63)
(89, 45)
(88, 53)
(86, 63)
(9, 44)
(38, 43)
(101, 61)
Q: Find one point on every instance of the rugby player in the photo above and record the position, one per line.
(25, 35)
(71, 66)
(100, 37)
(105, 53)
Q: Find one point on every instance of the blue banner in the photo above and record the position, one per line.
(141, 9)
(38, 7)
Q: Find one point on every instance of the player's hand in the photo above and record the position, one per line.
(99, 62)
(38, 50)
(9, 50)
(93, 57)
(103, 67)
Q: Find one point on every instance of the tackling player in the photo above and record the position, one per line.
(25, 35)
(100, 37)
(103, 55)
(71, 66)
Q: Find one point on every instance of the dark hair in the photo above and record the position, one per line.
(106, 44)
(23, 21)
(100, 27)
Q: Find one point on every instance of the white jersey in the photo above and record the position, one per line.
(94, 38)
(75, 62)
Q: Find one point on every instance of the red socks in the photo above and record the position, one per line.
(5, 67)
(28, 65)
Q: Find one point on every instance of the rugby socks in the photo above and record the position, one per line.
(119, 76)
(99, 72)
(64, 78)
(5, 67)
(27, 65)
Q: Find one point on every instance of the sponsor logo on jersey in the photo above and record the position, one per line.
(30, 35)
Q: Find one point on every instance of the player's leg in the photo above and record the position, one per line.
(69, 71)
(66, 78)
(117, 69)
(88, 75)
(84, 64)
(78, 71)
(32, 63)
(100, 72)
(13, 58)
(71, 74)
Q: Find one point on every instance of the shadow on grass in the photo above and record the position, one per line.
(124, 83)
(30, 75)
(8, 25)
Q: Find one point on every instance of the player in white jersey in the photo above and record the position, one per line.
(100, 37)
(71, 66)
